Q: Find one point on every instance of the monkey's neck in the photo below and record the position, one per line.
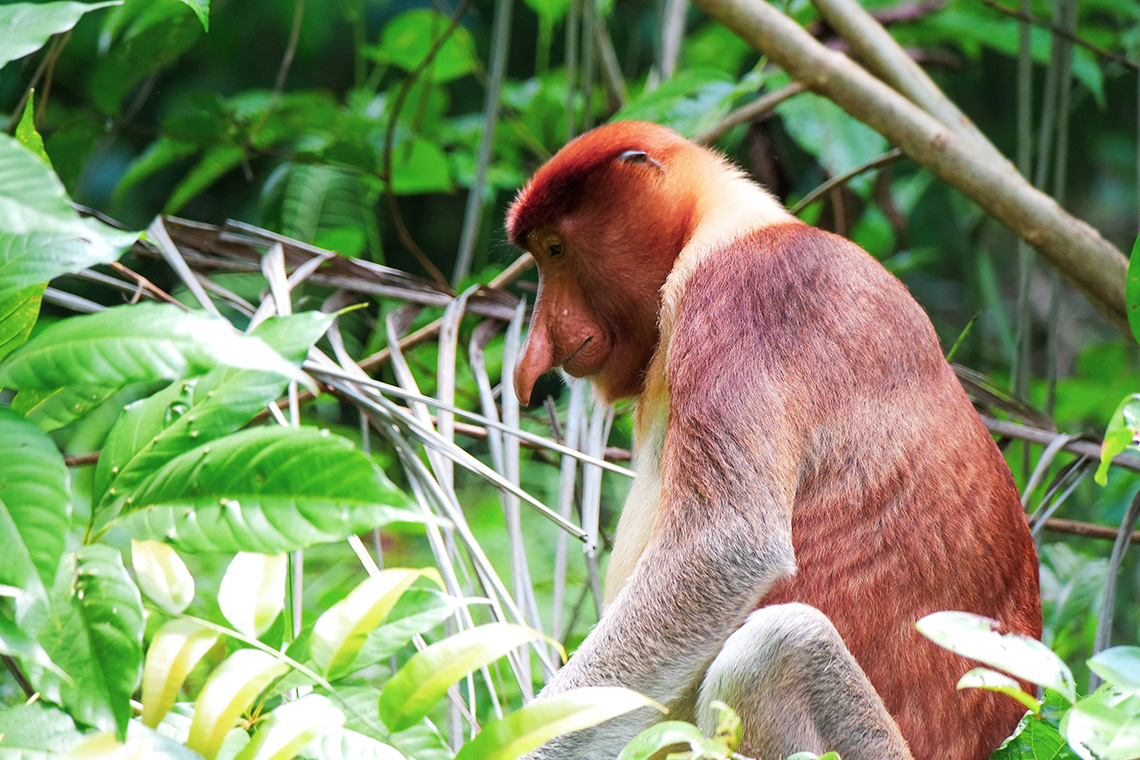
(730, 206)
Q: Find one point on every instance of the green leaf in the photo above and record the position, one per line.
(267, 490)
(174, 651)
(345, 744)
(691, 102)
(18, 314)
(16, 643)
(291, 726)
(35, 504)
(160, 154)
(26, 133)
(252, 593)
(991, 680)
(418, 611)
(1038, 739)
(33, 728)
(1132, 291)
(135, 343)
(201, 9)
(340, 633)
(215, 163)
(52, 410)
(425, 678)
(659, 736)
(408, 38)
(544, 719)
(976, 637)
(188, 414)
(1105, 724)
(95, 634)
(1123, 427)
(41, 235)
(228, 693)
(25, 27)
(162, 575)
(138, 39)
(420, 167)
(838, 141)
(1119, 666)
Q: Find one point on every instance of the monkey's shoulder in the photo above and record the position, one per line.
(801, 298)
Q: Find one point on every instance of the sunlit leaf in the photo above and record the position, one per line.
(266, 490)
(544, 719)
(976, 637)
(342, 630)
(135, 343)
(1123, 427)
(291, 726)
(425, 678)
(174, 651)
(25, 27)
(252, 593)
(230, 691)
(35, 504)
(41, 235)
(1119, 666)
(991, 680)
(659, 736)
(162, 575)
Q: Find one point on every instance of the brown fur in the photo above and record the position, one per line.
(817, 447)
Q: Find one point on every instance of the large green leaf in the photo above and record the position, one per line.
(266, 490)
(976, 637)
(41, 235)
(544, 719)
(690, 102)
(25, 27)
(34, 728)
(94, 633)
(425, 678)
(134, 343)
(407, 40)
(190, 413)
(34, 504)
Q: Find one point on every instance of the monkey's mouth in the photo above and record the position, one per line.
(568, 362)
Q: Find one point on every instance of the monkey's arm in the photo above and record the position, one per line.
(722, 534)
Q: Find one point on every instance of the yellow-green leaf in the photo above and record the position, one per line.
(227, 694)
(541, 721)
(173, 653)
(162, 575)
(426, 677)
(252, 592)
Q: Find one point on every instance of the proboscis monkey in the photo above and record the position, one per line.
(811, 478)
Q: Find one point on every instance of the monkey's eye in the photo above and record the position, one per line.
(554, 249)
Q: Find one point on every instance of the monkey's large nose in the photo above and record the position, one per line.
(536, 359)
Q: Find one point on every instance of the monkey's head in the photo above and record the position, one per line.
(605, 219)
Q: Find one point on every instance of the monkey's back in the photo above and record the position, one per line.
(904, 505)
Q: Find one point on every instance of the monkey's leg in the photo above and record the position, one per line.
(796, 688)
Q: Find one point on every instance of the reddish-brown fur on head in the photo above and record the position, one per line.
(615, 202)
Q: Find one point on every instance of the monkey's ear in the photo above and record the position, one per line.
(639, 157)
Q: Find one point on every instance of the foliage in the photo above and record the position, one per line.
(1104, 724)
(174, 499)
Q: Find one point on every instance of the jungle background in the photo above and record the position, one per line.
(357, 157)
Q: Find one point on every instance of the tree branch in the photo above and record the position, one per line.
(1077, 250)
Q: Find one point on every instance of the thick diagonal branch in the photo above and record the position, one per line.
(1077, 250)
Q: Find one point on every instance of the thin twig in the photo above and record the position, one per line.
(843, 179)
(1061, 32)
(754, 110)
(1075, 528)
(389, 140)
